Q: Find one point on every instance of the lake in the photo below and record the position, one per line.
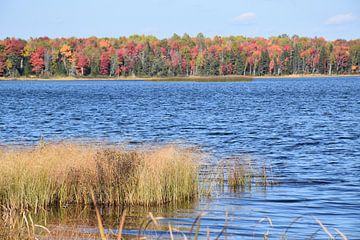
(306, 129)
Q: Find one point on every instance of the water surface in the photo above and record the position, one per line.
(307, 129)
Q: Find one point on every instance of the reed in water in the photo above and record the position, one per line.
(59, 174)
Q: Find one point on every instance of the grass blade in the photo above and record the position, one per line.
(98, 216)
(121, 225)
(325, 229)
(341, 234)
(170, 231)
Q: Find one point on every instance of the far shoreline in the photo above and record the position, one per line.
(307, 76)
(226, 78)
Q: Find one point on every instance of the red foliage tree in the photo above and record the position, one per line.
(341, 57)
(2, 65)
(104, 63)
(14, 46)
(82, 63)
(37, 60)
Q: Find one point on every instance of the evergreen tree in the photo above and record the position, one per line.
(147, 59)
(47, 63)
(240, 62)
(322, 61)
(264, 63)
(355, 57)
(27, 67)
(295, 59)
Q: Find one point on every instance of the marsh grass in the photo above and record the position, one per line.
(59, 174)
(34, 179)
(38, 178)
(242, 173)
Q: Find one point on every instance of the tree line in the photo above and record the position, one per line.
(140, 55)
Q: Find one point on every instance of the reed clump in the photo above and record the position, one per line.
(240, 173)
(59, 174)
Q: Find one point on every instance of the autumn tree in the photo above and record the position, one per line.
(66, 55)
(82, 63)
(2, 66)
(140, 55)
(13, 49)
(104, 63)
(37, 61)
(2, 60)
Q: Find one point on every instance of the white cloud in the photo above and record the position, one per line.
(341, 18)
(245, 17)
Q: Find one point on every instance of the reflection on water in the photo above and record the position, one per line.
(78, 221)
(75, 223)
(307, 129)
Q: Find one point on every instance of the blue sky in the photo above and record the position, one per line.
(113, 18)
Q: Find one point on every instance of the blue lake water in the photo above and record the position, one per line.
(307, 129)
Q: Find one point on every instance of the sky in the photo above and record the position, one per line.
(332, 19)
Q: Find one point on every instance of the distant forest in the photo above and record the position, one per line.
(140, 55)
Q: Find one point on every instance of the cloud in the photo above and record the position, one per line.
(245, 18)
(341, 18)
(58, 20)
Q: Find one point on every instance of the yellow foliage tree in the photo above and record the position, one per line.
(66, 51)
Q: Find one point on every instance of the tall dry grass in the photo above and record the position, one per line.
(241, 173)
(58, 174)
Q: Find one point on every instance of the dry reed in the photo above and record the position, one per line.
(240, 173)
(59, 174)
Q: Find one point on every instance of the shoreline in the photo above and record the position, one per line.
(177, 78)
(307, 76)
